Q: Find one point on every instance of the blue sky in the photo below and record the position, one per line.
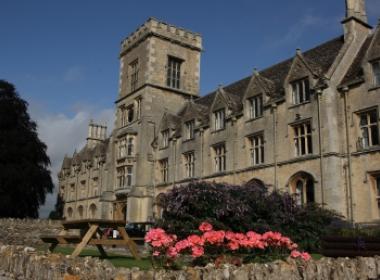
(63, 55)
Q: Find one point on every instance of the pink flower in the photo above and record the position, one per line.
(295, 254)
(182, 245)
(205, 227)
(230, 235)
(195, 240)
(233, 245)
(214, 237)
(156, 253)
(197, 251)
(305, 256)
(172, 252)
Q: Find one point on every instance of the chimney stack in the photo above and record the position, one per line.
(96, 133)
(356, 9)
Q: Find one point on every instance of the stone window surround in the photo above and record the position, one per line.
(255, 108)
(189, 130)
(356, 116)
(219, 152)
(375, 73)
(301, 141)
(173, 73)
(300, 97)
(134, 70)
(257, 159)
(164, 169)
(219, 119)
(165, 138)
(189, 164)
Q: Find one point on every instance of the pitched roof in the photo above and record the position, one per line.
(321, 57)
(355, 72)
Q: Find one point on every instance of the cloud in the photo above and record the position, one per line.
(74, 74)
(62, 135)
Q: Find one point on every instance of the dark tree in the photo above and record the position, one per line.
(57, 213)
(24, 175)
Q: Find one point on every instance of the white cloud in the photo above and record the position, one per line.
(62, 135)
(73, 74)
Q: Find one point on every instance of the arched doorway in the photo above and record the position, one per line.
(80, 211)
(92, 210)
(301, 185)
(255, 183)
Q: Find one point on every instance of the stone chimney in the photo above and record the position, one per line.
(96, 133)
(356, 9)
(356, 23)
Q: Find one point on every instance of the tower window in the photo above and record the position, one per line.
(257, 149)
(189, 129)
(164, 170)
(301, 91)
(189, 164)
(120, 177)
(219, 119)
(129, 175)
(255, 107)
(303, 139)
(376, 73)
(369, 129)
(174, 72)
(219, 158)
(134, 68)
(165, 138)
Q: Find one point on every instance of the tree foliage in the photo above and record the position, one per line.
(24, 177)
(57, 213)
(243, 208)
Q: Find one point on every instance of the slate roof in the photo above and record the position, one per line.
(355, 72)
(319, 58)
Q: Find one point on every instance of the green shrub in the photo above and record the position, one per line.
(243, 208)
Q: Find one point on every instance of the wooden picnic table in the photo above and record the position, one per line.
(91, 234)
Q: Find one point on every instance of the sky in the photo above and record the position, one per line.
(62, 56)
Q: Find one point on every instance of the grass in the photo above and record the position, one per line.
(116, 259)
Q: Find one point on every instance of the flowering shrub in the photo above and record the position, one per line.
(213, 244)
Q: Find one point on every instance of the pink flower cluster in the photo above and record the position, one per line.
(165, 243)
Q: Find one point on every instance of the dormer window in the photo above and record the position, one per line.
(301, 91)
(165, 138)
(219, 119)
(189, 130)
(134, 68)
(369, 128)
(376, 73)
(174, 72)
(255, 107)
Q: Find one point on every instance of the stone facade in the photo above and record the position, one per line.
(308, 125)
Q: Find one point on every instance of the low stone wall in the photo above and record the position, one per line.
(26, 232)
(19, 262)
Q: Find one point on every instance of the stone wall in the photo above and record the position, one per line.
(17, 262)
(26, 232)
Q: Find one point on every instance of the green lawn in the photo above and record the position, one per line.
(115, 259)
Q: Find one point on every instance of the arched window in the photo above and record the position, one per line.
(80, 211)
(302, 187)
(69, 212)
(93, 211)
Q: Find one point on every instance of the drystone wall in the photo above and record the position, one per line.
(26, 232)
(17, 262)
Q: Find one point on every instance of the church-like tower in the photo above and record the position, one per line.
(159, 71)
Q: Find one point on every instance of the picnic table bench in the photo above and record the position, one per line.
(90, 233)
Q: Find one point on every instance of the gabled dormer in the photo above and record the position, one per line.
(259, 91)
(168, 125)
(301, 78)
(373, 60)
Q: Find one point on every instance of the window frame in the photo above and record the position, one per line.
(255, 106)
(368, 126)
(257, 148)
(189, 159)
(301, 97)
(219, 117)
(220, 157)
(302, 140)
(375, 73)
(164, 170)
(189, 129)
(173, 73)
(165, 138)
(134, 70)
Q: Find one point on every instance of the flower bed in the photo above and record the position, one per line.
(218, 246)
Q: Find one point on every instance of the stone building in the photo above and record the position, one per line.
(308, 125)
